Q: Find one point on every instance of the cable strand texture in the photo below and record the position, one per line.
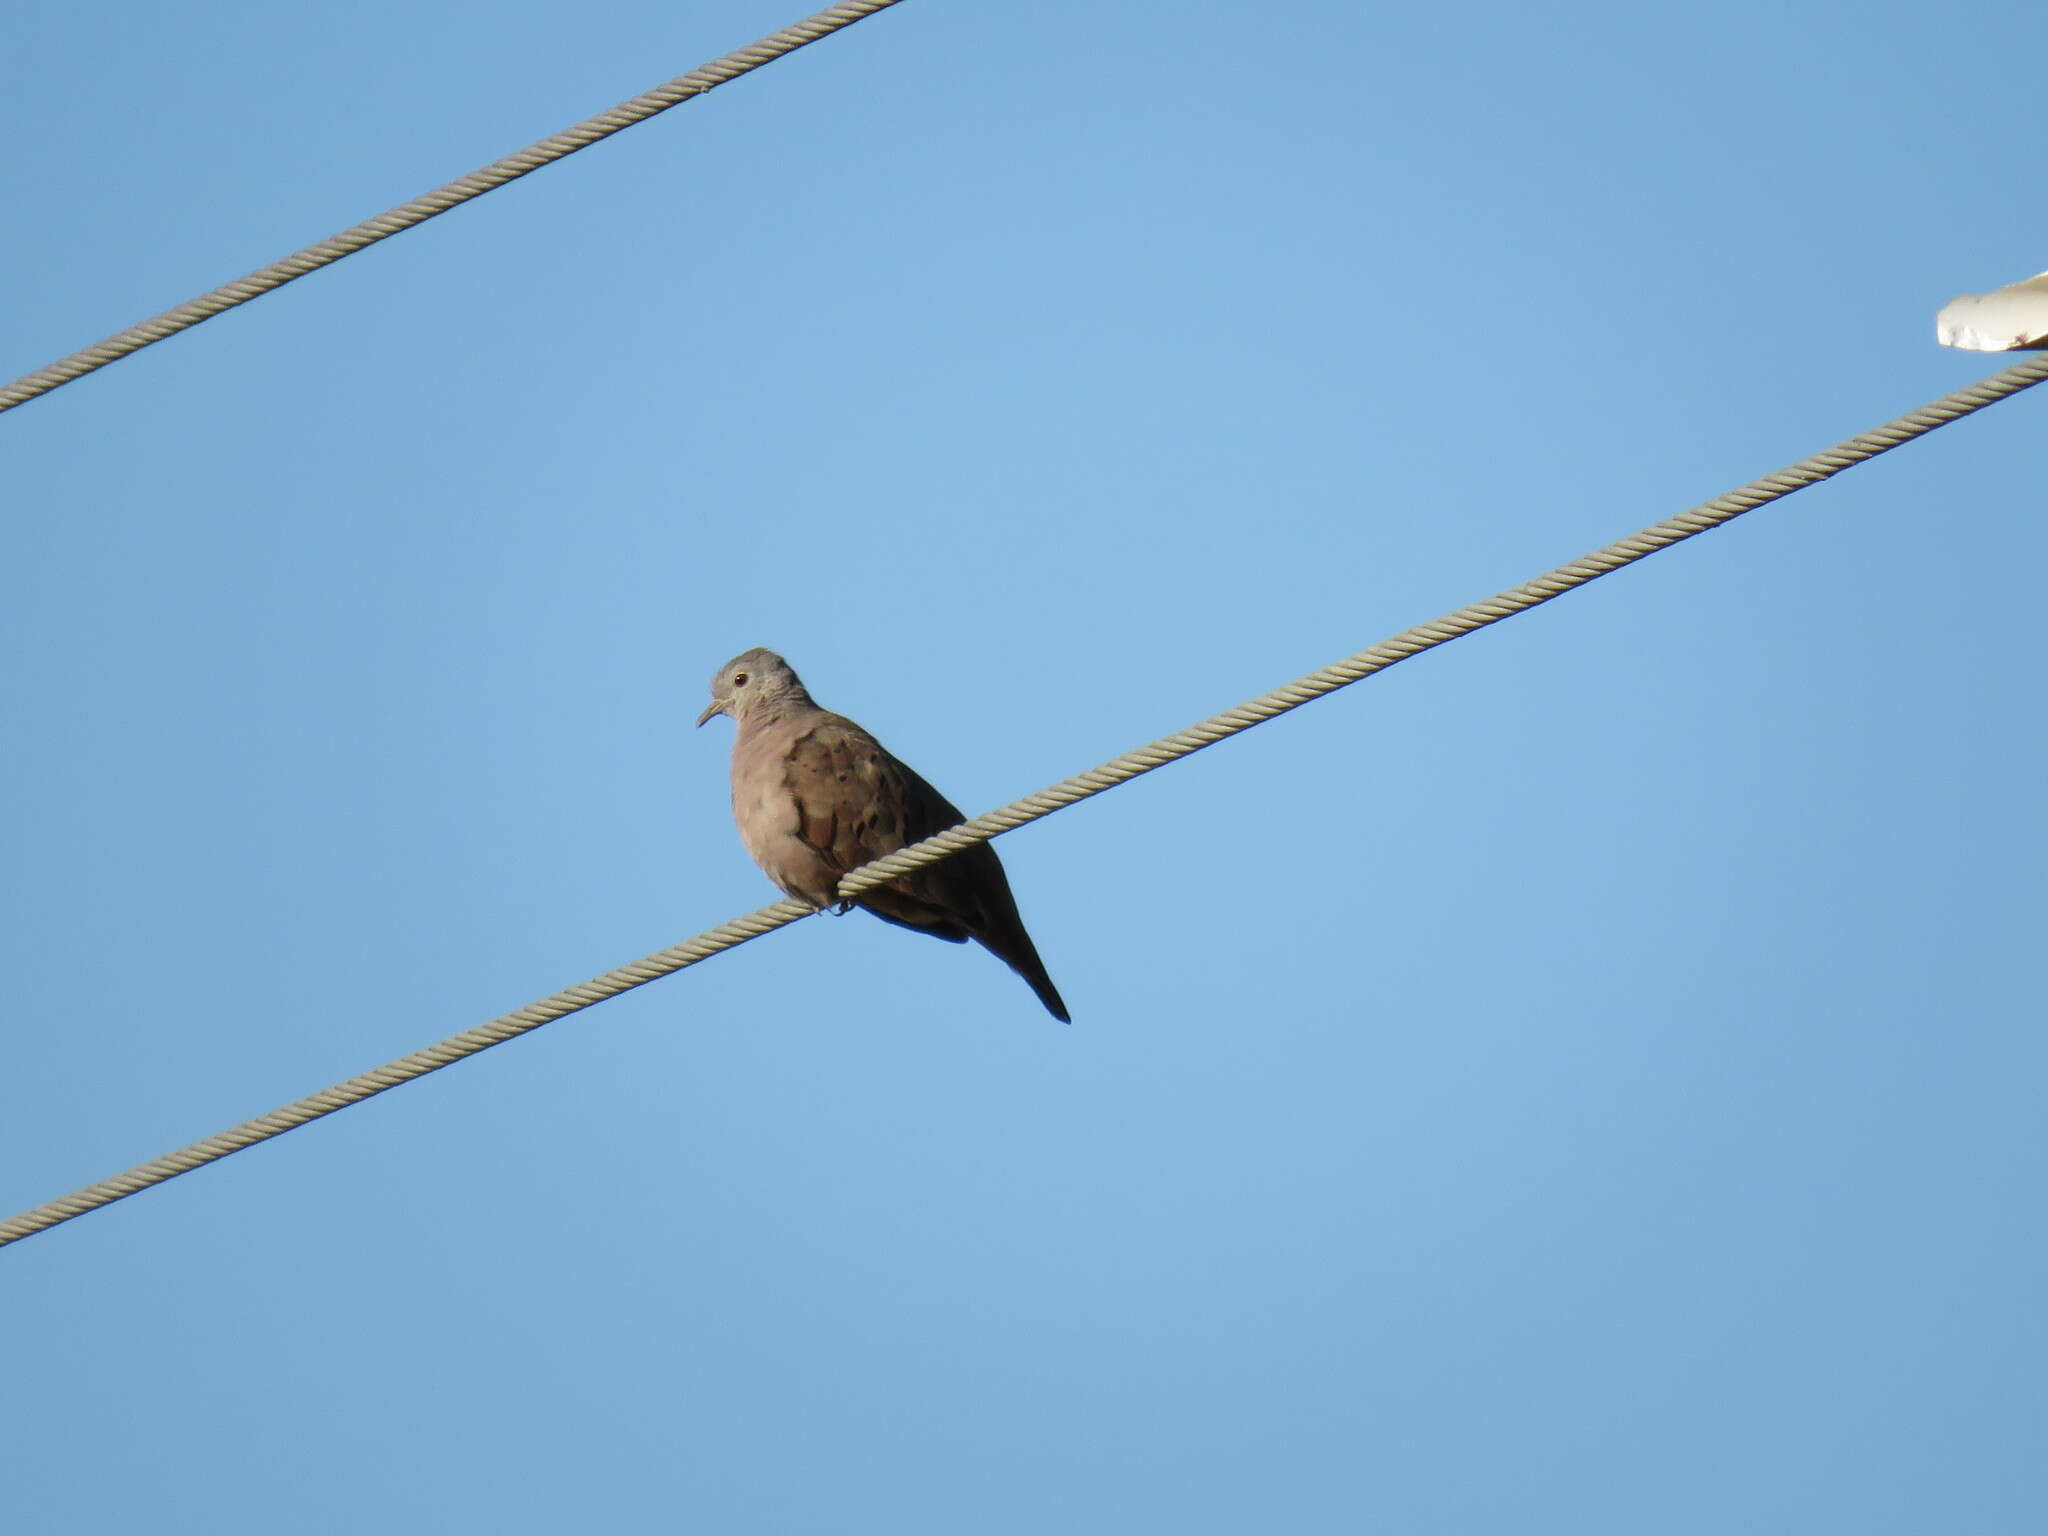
(1376, 658)
(550, 149)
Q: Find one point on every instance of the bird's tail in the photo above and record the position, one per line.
(1016, 950)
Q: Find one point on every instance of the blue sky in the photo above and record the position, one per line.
(1585, 1080)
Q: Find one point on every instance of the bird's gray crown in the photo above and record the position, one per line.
(755, 680)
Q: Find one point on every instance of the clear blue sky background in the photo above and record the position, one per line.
(1587, 1080)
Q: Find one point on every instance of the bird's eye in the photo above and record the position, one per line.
(739, 679)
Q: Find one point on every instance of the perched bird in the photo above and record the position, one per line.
(2009, 319)
(816, 797)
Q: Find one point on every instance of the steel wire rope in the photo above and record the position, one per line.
(1377, 658)
(392, 221)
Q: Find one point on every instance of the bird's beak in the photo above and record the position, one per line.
(717, 707)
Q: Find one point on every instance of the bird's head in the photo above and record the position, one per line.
(751, 680)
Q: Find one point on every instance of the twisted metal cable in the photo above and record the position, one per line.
(580, 136)
(1377, 658)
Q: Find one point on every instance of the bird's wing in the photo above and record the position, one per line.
(848, 806)
(855, 803)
